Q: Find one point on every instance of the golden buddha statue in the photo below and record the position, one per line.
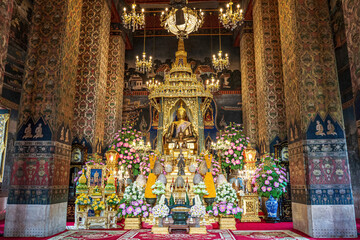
(181, 131)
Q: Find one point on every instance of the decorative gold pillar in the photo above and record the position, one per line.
(115, 86)
(89, 110)
(248, 82)
(6, 8)
(352, 26)
(322, 200)
(269, 76)
(39, 182)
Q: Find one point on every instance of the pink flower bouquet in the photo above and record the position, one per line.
(233, 156)
(122, 142)
(270, 178)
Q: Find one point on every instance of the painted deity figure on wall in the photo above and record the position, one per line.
(27, 132)
(330, 128)
(319, 129)
(38, 131)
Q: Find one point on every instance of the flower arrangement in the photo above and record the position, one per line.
(161, 211)
(226, 193)
(216, 168)
(97, 205)
(200, 189)
(197, 211)
(82, 199)
(225, 209)
(122, 144)
(137, 208)
(270, 178)
(158, 188)
(234, 154)
(94, 160)
(113, 200)
(133, 192)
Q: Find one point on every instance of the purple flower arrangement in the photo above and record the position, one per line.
(122, 144)
(270, 178)
(225, 209)
(233, 156)
(134, 209)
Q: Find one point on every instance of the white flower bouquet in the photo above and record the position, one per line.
(133, 192)
(161, 211)
(226, 193)
(197, 211)
(158, 188)
(200, 189)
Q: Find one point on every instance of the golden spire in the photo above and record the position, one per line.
(181, 54)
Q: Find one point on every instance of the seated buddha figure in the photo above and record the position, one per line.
(181, 131)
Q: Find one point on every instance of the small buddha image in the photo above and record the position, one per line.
(208, 119)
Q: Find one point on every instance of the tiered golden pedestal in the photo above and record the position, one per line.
(250, 206)
(132, 223)
(198, 230)
(227, 223)
(160, 230)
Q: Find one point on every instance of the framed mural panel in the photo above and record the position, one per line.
(96, 175)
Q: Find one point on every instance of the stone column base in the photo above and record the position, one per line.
(31, 220)
(325, 221)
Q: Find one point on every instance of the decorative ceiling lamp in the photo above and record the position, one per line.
(220, 62)
(181, 20)
(133, 20)
(212, 84)
(143, 65)
(231, 19)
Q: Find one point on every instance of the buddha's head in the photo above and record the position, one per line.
(181, 112)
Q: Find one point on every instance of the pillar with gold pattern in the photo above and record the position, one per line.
(322, 206)
(269, 75)
(89, 109)
(37, 200)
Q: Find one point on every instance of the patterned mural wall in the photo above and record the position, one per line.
(6, 9)
(269, 76)
(318, 158)
(248, 83)
(352, 25)
(89, 110)
(115, 86)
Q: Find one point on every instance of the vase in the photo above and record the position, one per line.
(97, 213)
(271, 208)
(161, 222)
(209, 201)
(114, 207)
(151, 201)
(197, 222)
(82, 208)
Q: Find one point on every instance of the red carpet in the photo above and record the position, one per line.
(115, 234)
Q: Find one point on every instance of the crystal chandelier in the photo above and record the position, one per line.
(220, 62)
(152, 84)
(143, 65)
(212, 84)
(133, 20)
(231, 19)
(190, 21)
